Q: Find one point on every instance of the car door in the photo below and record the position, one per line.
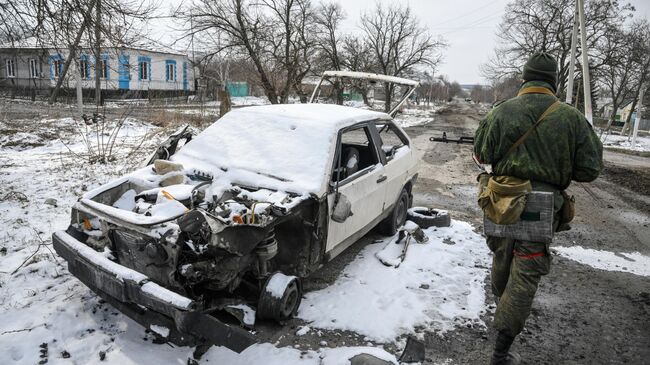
(363, 187)
(399, 163)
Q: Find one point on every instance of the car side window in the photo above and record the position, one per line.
(391, 139)
(357, 153)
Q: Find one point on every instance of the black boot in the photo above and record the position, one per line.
(501, 355)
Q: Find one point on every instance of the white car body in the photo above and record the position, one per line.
(265, 195)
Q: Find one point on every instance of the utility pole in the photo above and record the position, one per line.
(572, 64)
(98, 55)
(586, 81)
(80, 103)
(639, 109)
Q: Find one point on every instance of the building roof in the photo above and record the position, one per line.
(34, 43)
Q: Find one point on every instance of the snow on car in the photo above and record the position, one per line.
(234, 219)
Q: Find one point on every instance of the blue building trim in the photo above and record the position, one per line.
(167, 75)
(147, 60)
(50, 61)
(185, 76)
(124, 72)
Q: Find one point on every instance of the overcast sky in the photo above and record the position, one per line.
(469, 26)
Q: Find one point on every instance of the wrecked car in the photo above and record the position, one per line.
(229, 223)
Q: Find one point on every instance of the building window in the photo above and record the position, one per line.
(104, 68)
(11, 68)
(58, 67)
(84, 67)
(143, 68)
(171, 71)
(33, 68)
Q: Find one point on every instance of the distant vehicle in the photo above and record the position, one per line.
(233, 219)
(469, 100)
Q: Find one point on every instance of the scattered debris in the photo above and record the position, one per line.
(303, 330)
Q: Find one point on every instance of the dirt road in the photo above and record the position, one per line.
(581, 315)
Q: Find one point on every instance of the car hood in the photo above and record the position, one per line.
(281, 147)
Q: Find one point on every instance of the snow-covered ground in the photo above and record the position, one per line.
(436, 288)
(631, 262)
(624, 142)
(411, 117)
(47, 314)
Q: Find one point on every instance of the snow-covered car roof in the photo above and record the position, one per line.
(282, 147)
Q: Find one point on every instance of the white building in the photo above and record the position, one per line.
(125, 71)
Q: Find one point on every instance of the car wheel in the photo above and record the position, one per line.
(397, 217)
(280, 297)
(428, 217)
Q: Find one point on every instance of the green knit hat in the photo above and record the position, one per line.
(541, 66)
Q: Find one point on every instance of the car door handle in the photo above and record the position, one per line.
(382, 178)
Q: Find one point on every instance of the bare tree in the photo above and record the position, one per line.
(482, 94)
(615, 52)
(290, 38)
(328, 19)
(640, 54)
(529, 26)
(274, 34)
(399, 43)
(234, 26)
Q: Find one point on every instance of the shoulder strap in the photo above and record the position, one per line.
(530, 130)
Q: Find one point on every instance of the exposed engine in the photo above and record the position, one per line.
(187, 233)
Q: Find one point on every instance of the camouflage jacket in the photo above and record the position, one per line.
(563, 147)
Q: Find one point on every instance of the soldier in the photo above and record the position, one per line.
(561, 148)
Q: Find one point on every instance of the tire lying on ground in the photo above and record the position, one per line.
(280, 297)
(428, 217)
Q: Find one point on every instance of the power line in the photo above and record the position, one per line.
(466, 14)
(474, 24)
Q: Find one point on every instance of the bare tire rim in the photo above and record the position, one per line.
(400, 217)
(290, 300)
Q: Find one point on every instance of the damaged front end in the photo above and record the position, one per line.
(175, 248)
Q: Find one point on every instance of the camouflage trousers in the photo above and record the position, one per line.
(517, 267)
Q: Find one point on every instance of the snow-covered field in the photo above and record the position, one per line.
(624, 142)
(631, 262)
(47, 314)
(411, 117)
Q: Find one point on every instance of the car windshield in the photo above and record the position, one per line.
(257, 146)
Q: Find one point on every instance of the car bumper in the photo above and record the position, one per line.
(146, 302)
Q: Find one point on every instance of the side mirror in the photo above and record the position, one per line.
(342, 208)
